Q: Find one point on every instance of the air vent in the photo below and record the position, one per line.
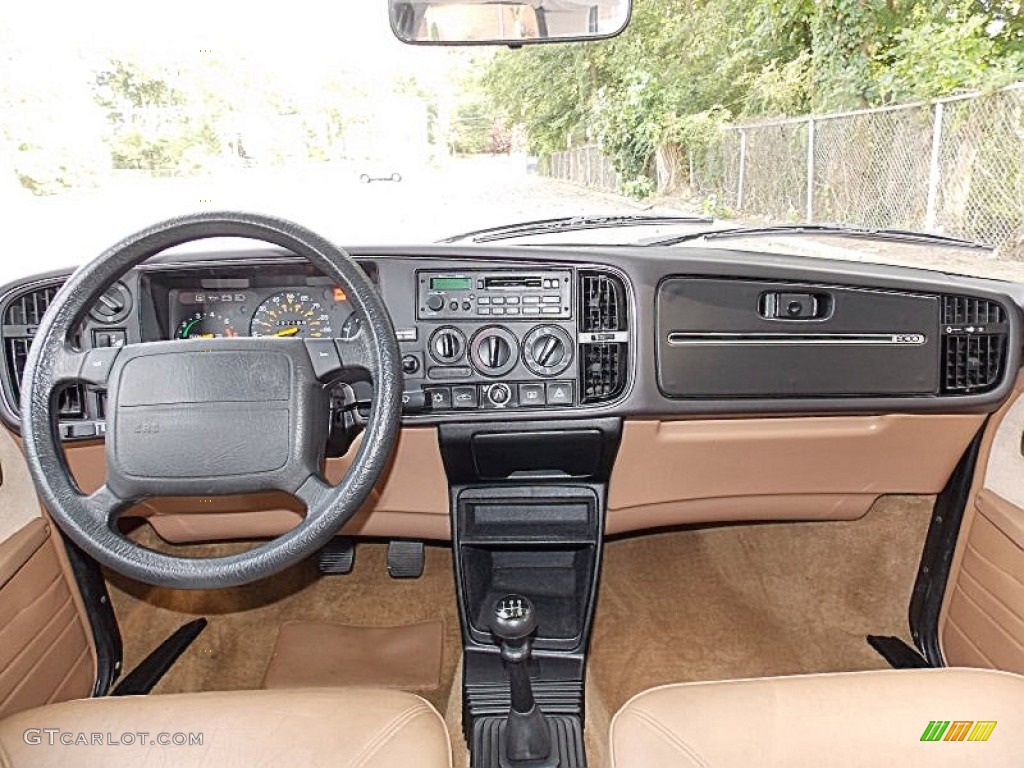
(21, 318)
(974, 342)
(602, 303)
(604, 344)
(964, 310)
(602, 371)
(28, 308)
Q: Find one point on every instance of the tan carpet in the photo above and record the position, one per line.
(702, 604)
(753, 600)
(234, 650)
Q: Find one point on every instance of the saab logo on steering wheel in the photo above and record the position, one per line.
(147, 428)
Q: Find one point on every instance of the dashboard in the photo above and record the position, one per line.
(507, 333)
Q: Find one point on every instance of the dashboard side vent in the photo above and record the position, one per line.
(28, 308)
(974, 342)
(602, 302)
(604, 337)
(21, 318)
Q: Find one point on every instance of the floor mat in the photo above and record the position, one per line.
(235, 649)
(312, 654)
(754, 600)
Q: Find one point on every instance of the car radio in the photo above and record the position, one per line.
(480, 295)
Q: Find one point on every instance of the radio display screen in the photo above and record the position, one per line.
(451, 283)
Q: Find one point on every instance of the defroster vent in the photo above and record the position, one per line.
(604, 336)
(974, 344)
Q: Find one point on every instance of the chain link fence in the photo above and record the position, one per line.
(954, 166)
(586, 166)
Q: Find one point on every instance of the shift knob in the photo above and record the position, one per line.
(513, 618)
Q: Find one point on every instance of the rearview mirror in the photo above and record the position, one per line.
(506, 22)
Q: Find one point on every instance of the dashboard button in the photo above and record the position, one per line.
(531, 394)
(550, 299)
(559, 393)
(499, 394)
(440, 398)
(410, 364)
(512, 311)
(498, 311)
(512, 300)
(483, 310)
(531, 310)
(531, 299)
(549, 310)
(414, 401)
(498, 300)
(484, 300)
(464, 397)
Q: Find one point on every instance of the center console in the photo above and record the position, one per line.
(527, 503)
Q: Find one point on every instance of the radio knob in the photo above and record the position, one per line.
(447, 344)
(435, 302)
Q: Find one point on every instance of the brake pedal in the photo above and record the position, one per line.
(337, 556)
(405, 559)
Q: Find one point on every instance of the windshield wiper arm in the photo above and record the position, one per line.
(571, 224)
(894, 235)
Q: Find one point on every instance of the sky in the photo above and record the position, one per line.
(51, 43)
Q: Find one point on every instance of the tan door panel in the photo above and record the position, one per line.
(982, 619)
(46, 645)
(806, 468)
(45, 650)
(410, 501)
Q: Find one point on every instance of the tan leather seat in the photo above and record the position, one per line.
(838, 720)
(341, 728)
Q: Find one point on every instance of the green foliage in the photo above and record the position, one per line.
(155, 126)
(683, 67)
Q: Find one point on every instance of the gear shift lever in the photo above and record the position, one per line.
(527, 739)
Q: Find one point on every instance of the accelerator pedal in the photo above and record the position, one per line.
(337, 557)
(405, 559)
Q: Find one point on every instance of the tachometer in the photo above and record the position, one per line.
(204, 324)
(292, 314)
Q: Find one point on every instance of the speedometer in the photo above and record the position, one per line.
(292, 314)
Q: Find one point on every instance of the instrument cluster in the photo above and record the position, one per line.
(311, 312)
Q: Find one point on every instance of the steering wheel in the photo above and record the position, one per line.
(210, 417)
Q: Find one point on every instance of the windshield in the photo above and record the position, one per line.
(111, 119)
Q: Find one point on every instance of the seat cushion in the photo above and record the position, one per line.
(341, 728)
(838, 720)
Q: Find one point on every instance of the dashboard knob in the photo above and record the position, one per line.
(547, 350)
(494, 351)
(435, 302)
(447, 344)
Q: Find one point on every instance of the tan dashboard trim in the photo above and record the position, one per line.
(411, 500)
(804, 468)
